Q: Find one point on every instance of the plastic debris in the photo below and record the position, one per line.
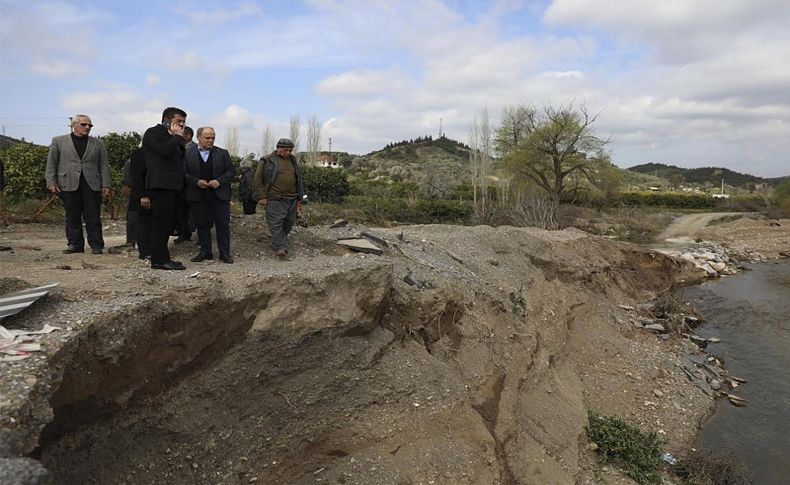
(668, 458)
(17, 344)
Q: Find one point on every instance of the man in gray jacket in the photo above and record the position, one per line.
(77, 171)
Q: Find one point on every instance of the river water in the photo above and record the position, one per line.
(750, 313)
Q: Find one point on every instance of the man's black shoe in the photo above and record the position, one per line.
(226, 258)
(144, 256)
(97, 251)
(170, 265)
(73, 249)
(201, 257)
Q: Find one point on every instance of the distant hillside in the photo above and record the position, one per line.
(407, 160)
(703, 175)
(7, 141)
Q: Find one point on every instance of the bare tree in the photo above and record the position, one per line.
(295, 125)
(480, 164)
(313, 139)
(267, 141)
(232, 141)
(561, 150)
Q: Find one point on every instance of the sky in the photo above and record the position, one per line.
(685, 82)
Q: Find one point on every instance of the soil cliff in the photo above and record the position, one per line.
(459, 355)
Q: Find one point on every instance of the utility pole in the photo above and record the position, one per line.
(440, 128)
(330, 151)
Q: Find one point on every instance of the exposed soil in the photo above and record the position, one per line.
(330, 367)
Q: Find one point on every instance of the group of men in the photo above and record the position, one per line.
(171, 180)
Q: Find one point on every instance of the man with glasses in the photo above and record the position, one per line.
(278, 188)
(163, 148)
(77, 171)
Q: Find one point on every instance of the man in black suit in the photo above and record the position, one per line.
(163, 148)
(209, 173)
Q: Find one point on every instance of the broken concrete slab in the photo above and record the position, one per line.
(360, 245)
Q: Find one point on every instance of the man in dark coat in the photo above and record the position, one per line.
(278, 188)
(163, 148)
(209, 173)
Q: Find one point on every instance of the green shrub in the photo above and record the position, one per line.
(324, 184)
(635, 452)
(382, 188)
(416, 211)
(25, 164)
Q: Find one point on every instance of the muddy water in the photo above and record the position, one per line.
(750, 312)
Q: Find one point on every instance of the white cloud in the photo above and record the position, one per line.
(59, 69)
(152, 79)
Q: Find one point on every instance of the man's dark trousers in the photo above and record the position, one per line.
(162, 224)
(83, 202)
(210, 210)
(143, 235)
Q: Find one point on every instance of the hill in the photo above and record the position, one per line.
(702, 175)
(7, 141)
(407, 160)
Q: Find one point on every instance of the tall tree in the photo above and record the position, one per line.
(295, 126)
(313, 139)
(232, 141)
(480, 163)
(267, 141)
(559, 150)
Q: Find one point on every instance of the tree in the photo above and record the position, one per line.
(267, 141)
(232, 141)
(120, 146)
(517, 123)
(295, 127)
(119, 150)
(480, 164)
(560, 150)
(313, 139)
(24, 171)
(676, 180)
(782, 197)
(437, 180)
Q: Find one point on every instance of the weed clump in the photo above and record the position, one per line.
(635, 452)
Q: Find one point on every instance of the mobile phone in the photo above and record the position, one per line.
(167, 123)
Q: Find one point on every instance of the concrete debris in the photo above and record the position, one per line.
(374, 238)
(360, 245)
(714, 259)
(656, 327)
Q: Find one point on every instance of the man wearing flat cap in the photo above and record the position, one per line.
(278, 188)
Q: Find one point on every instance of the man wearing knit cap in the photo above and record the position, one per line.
(278, 188)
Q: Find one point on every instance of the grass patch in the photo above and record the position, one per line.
(635, 452)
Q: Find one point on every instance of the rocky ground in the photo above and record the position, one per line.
(458, 355)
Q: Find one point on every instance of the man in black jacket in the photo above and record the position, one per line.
(163, 148)
(209, 173)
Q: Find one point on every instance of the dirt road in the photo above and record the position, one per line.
(690, 225)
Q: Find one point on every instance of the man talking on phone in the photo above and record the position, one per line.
(163, 147)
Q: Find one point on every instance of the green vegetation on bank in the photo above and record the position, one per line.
(635, 452)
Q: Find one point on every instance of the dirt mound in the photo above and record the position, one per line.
(462, 355)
